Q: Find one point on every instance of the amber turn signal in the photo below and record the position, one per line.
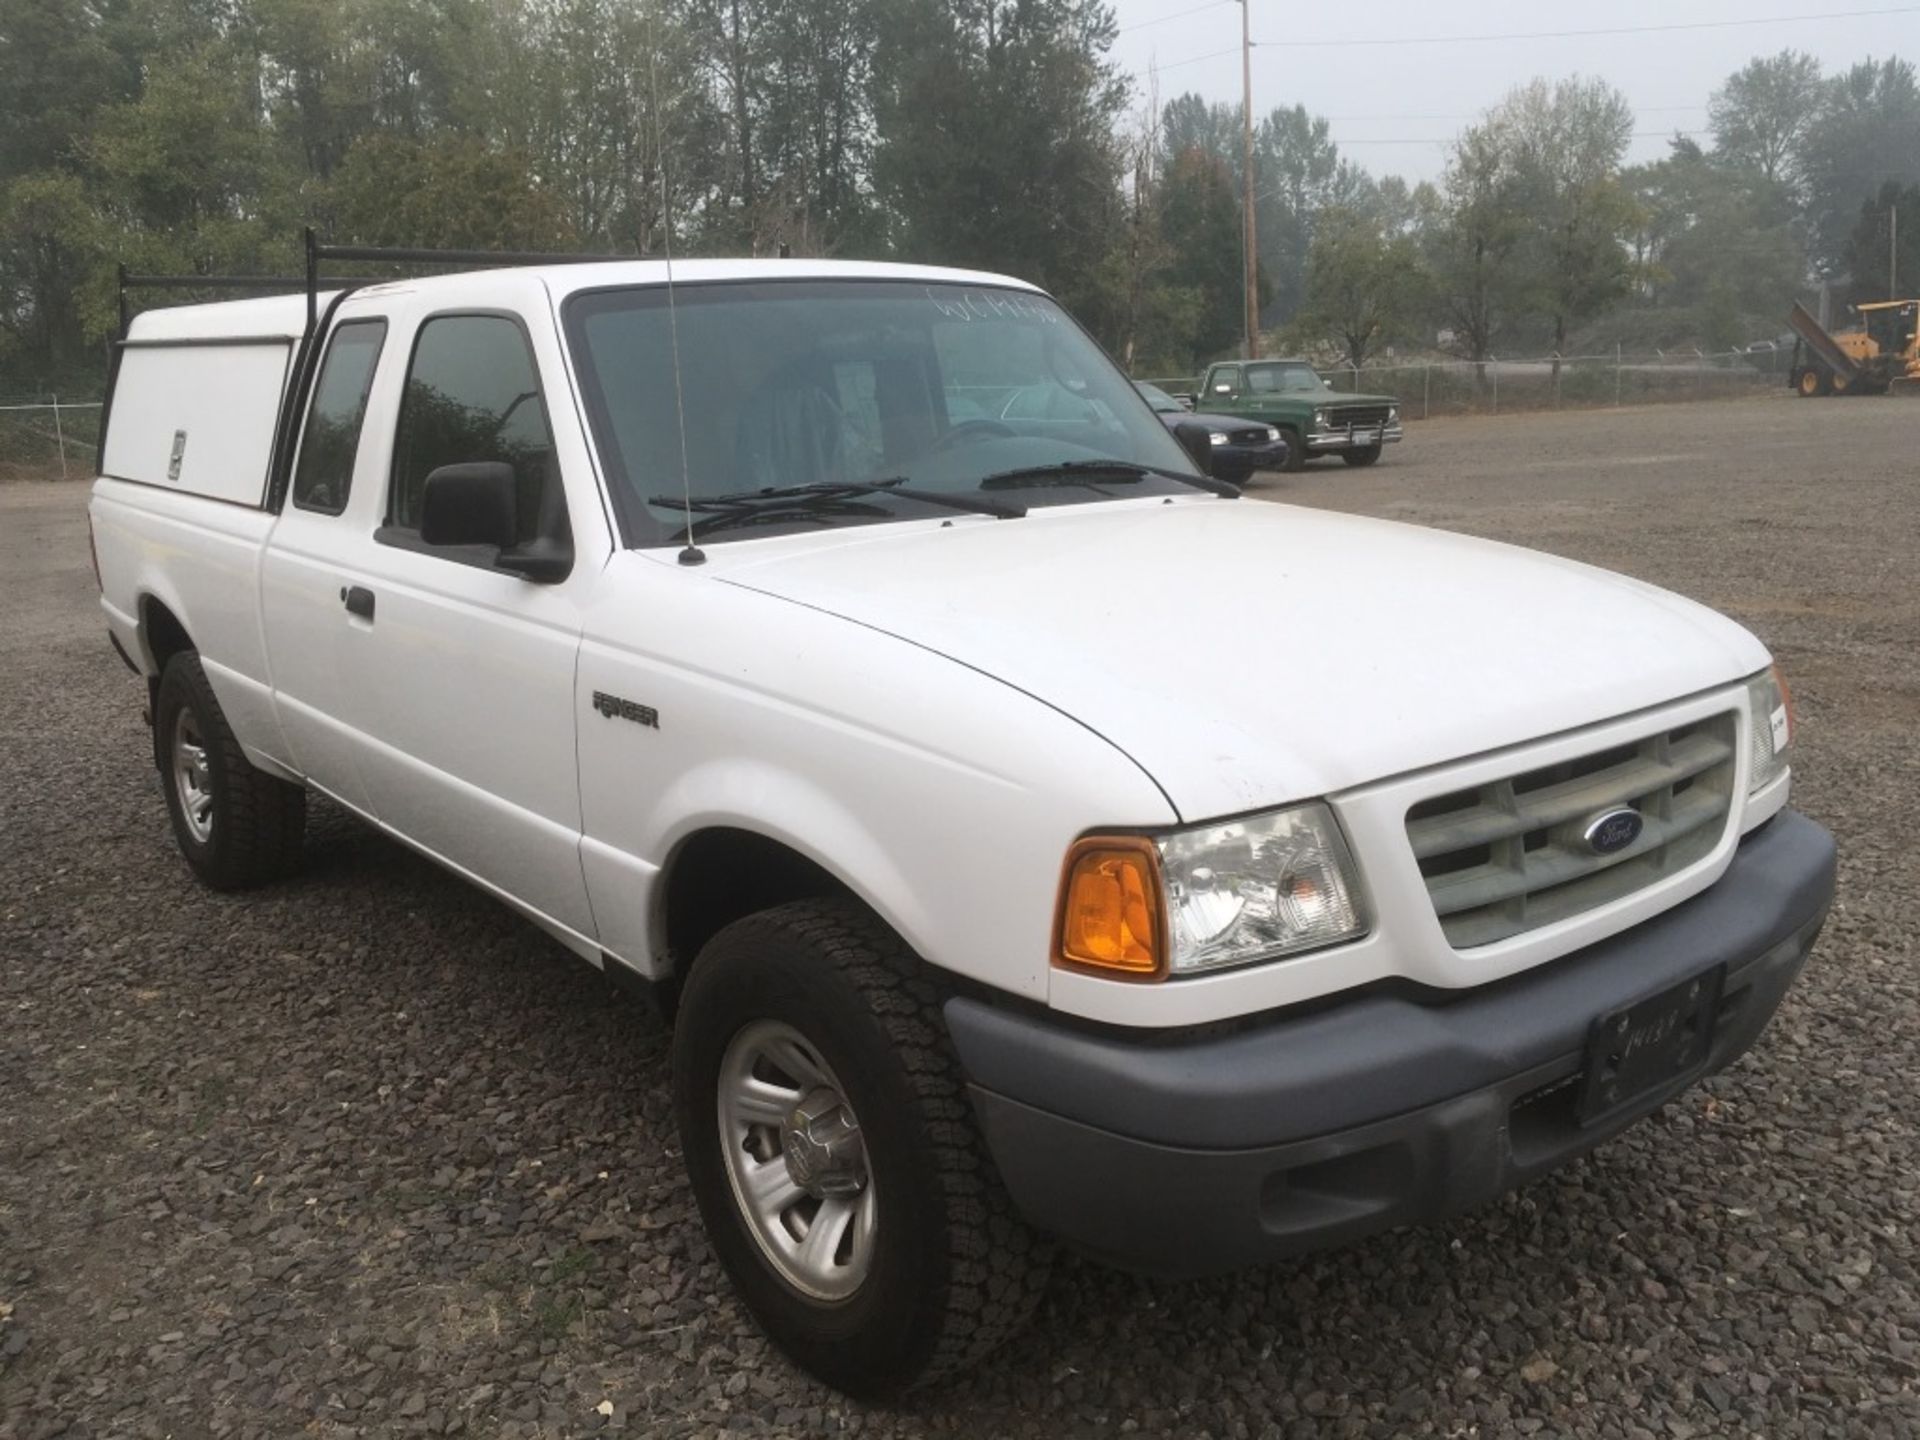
(1110, 915)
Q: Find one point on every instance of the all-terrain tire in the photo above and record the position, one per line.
(1362, 457)
(954, 1272)
(247, 826)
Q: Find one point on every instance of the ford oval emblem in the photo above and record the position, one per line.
(1612, 831)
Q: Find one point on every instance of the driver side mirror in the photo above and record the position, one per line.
(470, 504)
(1197, 441)
(477, 504)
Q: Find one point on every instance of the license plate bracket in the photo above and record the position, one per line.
(1636, 1049)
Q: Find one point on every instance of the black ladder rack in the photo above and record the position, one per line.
(318, 253)
(306, 353)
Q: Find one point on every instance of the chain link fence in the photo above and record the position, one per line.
(47, 438)
(1496, 386)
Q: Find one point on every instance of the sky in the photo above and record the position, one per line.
(1394, 106)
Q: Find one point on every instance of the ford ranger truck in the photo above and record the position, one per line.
(1003, 894)
(1315, 418)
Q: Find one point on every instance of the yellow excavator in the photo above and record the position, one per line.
(1868, 358)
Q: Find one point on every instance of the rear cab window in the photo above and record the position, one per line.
(324, 475)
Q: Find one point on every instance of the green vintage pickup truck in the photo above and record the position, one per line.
(1317, 420)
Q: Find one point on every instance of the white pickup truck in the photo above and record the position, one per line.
(1038, 843)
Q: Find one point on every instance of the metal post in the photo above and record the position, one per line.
(1246, 117)
(1426, 390)
(1616, 374)
(60, 437)
(1893, 251)
(1496, 388)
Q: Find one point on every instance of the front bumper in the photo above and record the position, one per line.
(1198, 1155)
(1236, 462)
(1354, 437)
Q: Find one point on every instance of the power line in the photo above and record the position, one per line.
(1545, 34)
(1176, 15)
(1581, 34)
(1196, 59)
(1448, 139)
(1481, 114)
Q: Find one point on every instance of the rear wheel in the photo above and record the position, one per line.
(1814, 381)
(236, 825)
(1365, 456)
(832, 1150)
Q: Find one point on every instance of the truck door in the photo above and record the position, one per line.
(313, 545)
(462, 673)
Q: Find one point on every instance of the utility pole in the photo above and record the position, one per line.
(1246, 117)
(1893, 251)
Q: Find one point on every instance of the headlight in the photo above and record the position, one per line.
(1211, 896)
(1272, 434)
(1216, 438)
(1770, 731)
(1320, 418)
(1393, 414)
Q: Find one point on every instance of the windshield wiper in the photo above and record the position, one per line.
(901, 486)
(821, 498)
(1116, 472)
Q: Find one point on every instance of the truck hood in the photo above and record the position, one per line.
(1246, 654)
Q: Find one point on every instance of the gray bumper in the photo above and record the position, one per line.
(1195, 1155)
(1343, 439)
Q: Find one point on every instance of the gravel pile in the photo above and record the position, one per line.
(364, 1154)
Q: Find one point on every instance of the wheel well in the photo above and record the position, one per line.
(163, 632)
(721, 875)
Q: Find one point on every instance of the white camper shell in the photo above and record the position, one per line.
(197, 398)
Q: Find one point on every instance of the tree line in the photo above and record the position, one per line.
(201, 135)
(1539, 238)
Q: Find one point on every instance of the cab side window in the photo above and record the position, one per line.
(473, 394)
(1227, 375)
(325, 472)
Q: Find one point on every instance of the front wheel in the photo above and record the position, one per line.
(1365, 456)
(832, 1150)
(1296, 452)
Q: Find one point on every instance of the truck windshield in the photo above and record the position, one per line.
(1282, 379)
(809, 383)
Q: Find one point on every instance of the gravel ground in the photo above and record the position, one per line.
(364, 1154)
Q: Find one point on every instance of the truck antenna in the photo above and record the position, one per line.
(690, 554)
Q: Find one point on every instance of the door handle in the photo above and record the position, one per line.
(359, 600)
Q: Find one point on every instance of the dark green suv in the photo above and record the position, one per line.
(1316, 420)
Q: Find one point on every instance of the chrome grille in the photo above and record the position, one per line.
(1511, 856)
(1345, 415)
